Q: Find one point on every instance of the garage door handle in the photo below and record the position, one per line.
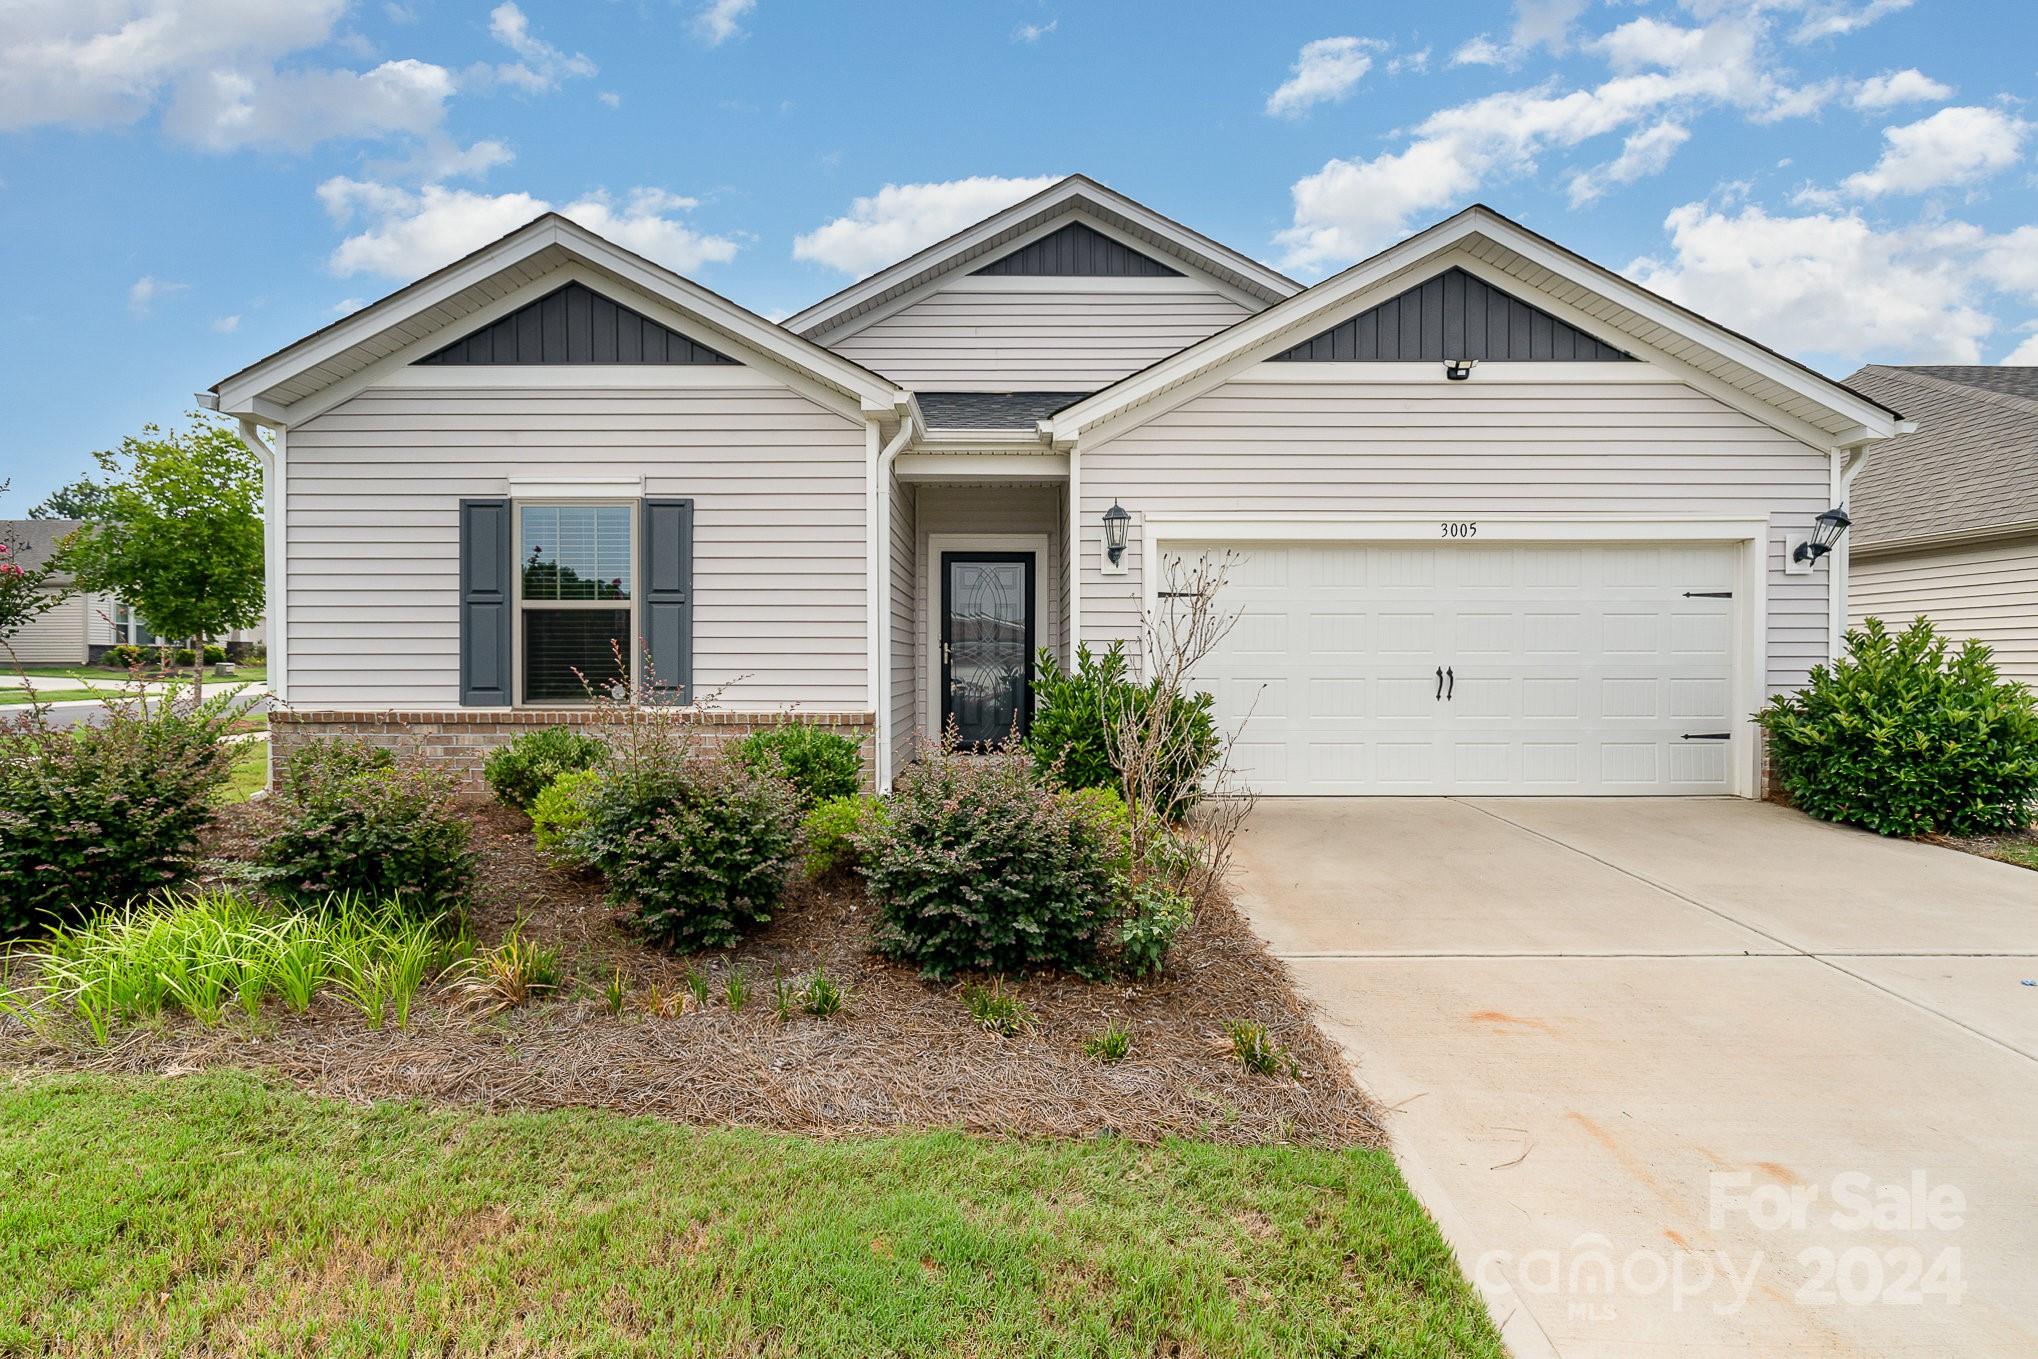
(1440, 684)
(1452, 676)
(1708, 736)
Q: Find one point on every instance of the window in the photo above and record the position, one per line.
(575, 600)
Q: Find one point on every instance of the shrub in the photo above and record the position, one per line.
(1906, 736)
(1107, 807)
(98, 815)
(127, 656)
(328, 761)
(1076, 713)
(831, 831)
(819, 764)
(214, 654)
(981, 867)
(384, 833)
(698, 851)
(1157, 914)
(524, 768)
(560, 812)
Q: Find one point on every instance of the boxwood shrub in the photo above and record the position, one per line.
(980, 866)
(1906, 735)
(696, 851)
(820, 764)
(521, 770)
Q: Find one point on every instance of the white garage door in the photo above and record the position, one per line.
(1463, 669)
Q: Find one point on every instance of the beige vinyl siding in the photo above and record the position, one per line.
(901, 613)
(1987, 591)
(780, 611)
(1063, 336)
(988, 509)
(1481, 448)
(54, 637)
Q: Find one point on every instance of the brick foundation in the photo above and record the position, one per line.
(458, 741)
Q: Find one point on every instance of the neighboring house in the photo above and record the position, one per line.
(1565, 570)
(1946, 518)
(79, 627)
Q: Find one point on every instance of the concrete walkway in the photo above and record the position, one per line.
(1656, 1064)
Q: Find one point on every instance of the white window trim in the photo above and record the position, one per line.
(938, 543)
(1751, 586)
(517, 507)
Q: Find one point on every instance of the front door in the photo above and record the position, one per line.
(987, 644)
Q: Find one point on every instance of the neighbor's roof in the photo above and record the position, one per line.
(1616, 309)
(35, 539)
(1168, 240)
(1969, 469)
(548, 243)
(992, 410)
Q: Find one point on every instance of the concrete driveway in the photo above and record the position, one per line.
(1685, 1076)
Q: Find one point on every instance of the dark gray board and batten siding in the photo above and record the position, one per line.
(1452, 316)
(575, 324)
(1077, 251)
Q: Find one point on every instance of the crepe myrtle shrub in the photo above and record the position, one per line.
(329, 760)
(347, 823)
(99, 814)
(1075, 712)
(696, 850)
(521, 770)
(820, 764)
(1907, 735)
(980, 866)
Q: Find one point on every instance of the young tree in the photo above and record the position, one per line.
(22, 596)
(178, 537)
(82, 499)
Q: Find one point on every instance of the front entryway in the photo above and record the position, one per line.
(1421, 668)
(987, 644)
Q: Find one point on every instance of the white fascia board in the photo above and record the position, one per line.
(1309, 311)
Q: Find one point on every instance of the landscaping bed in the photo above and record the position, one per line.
(903, 1053)
(2012, 847)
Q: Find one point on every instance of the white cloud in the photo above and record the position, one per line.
(610, 98)
(1325, 71)
(901, 218)
(1479, 51)
(295, 110)
(2024, 355)
(720, 20)
(1644, 153)
(1953, 146)
(1663, 74)
(1891, 88)
(227, 325)
(540, 65)
(1034, 32)
(148, 290)
(409, 233)
(1829, 284)
(1537, 23)
(399, 14)
(1416, 61)
(1836, 18)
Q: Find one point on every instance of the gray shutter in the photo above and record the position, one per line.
(667, 585)
(485, 603)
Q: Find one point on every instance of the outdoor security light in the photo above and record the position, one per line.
(1116, 521)
(1457, 370)
(1826, 531)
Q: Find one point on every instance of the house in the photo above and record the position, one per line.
(1504, 521)
(1946, 518)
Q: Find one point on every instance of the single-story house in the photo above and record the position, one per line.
(1505, 521)
(1946, 517)
(80, 627)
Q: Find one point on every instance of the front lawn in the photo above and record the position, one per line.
(249, 772)
(254, 673)
(215, 1214)
(13, 696)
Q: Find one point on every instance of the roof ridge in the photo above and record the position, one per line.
(1932, 381)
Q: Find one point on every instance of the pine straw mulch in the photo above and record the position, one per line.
(903, 1054)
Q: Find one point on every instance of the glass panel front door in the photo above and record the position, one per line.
(987, 644)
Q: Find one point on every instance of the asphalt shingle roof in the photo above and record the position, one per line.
(35, 539)
(1972, 464)
(993, 410)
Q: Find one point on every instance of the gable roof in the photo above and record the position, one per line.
(1452, 315)
(1971, 466)
(1167, 241)
(574, 325)
(267, 389)
(35, 540)
(1602, 302)
(1015, 411)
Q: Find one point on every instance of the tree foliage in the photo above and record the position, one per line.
(83, 499)
(178, 536)
(22, 596)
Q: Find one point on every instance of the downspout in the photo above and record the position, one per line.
(1848, 461)
(272, 550)
(881, 630)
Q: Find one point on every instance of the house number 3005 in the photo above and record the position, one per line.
(1463, 528)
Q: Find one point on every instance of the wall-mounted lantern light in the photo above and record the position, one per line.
(1457, 370)
(1826, 531)
(1116, 521)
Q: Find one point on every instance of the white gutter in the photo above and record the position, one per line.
(1848, 461)
(881, 600)
(274, 593)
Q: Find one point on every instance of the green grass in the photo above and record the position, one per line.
(10, 695)
(213, 1214)
(244, 674)
(248, 774)
(2023, 853)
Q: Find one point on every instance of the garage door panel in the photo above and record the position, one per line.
(1574, 668)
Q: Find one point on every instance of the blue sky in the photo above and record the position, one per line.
(186, 185)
